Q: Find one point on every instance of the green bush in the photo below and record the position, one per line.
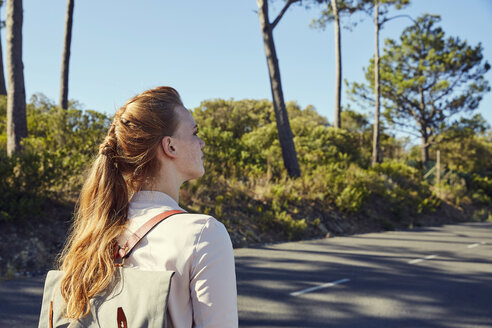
(403, 189)
(452, 188)
(25, 183)
(60, 146)
(481, 184)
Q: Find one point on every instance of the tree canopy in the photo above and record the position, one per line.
(426, 79)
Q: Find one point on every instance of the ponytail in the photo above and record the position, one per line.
(101, 216)
(126, 159)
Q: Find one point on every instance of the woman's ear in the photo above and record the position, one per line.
(168, 147)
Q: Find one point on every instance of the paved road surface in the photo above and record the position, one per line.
(431, 277)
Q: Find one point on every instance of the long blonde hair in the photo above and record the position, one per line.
(126, 160)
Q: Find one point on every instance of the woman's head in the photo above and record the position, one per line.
(151, 133)
(137, 131)
(150, 128)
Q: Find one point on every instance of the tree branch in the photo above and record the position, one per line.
(407, 105)
(282, 12)
(450, 88)
(386, 19)
(445, 138)
(401, 124)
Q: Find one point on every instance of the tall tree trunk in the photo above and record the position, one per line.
(283, 126)
(66, 55)
(3, 88)
(425, 150)
(16, 97)
(338, 60)
(375, 139)
(423, 129)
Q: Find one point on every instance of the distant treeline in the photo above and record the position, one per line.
(246, 185)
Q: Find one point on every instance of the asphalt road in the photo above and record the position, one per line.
(430, 277)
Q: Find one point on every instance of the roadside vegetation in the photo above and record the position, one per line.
(245, 185)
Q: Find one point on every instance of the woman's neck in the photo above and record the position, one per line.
(169, 185)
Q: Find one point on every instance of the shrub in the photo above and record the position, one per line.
(25, 183)
(403, 189)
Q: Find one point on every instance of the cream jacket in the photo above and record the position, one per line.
(198, 249)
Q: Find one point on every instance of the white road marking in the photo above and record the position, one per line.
(476, 244)
(429, 257)
(312, 289)
(415, 261)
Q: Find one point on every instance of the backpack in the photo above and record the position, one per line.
(134, 299)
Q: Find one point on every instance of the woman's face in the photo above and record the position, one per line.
(189, 146)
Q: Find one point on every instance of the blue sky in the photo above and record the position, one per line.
(212, 49)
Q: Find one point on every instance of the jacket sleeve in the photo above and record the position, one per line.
(213, 278)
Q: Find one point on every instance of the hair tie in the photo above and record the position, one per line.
(108, 147)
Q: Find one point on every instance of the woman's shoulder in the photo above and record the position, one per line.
(197, 217)
(186, 235)
(202, 231)
(200, 224)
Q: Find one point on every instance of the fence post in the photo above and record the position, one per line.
(438, 171)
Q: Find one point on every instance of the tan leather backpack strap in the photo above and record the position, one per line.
(135, 238)
(121, 318)
(51, 315)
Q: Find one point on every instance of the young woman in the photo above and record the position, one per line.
(152, 147)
